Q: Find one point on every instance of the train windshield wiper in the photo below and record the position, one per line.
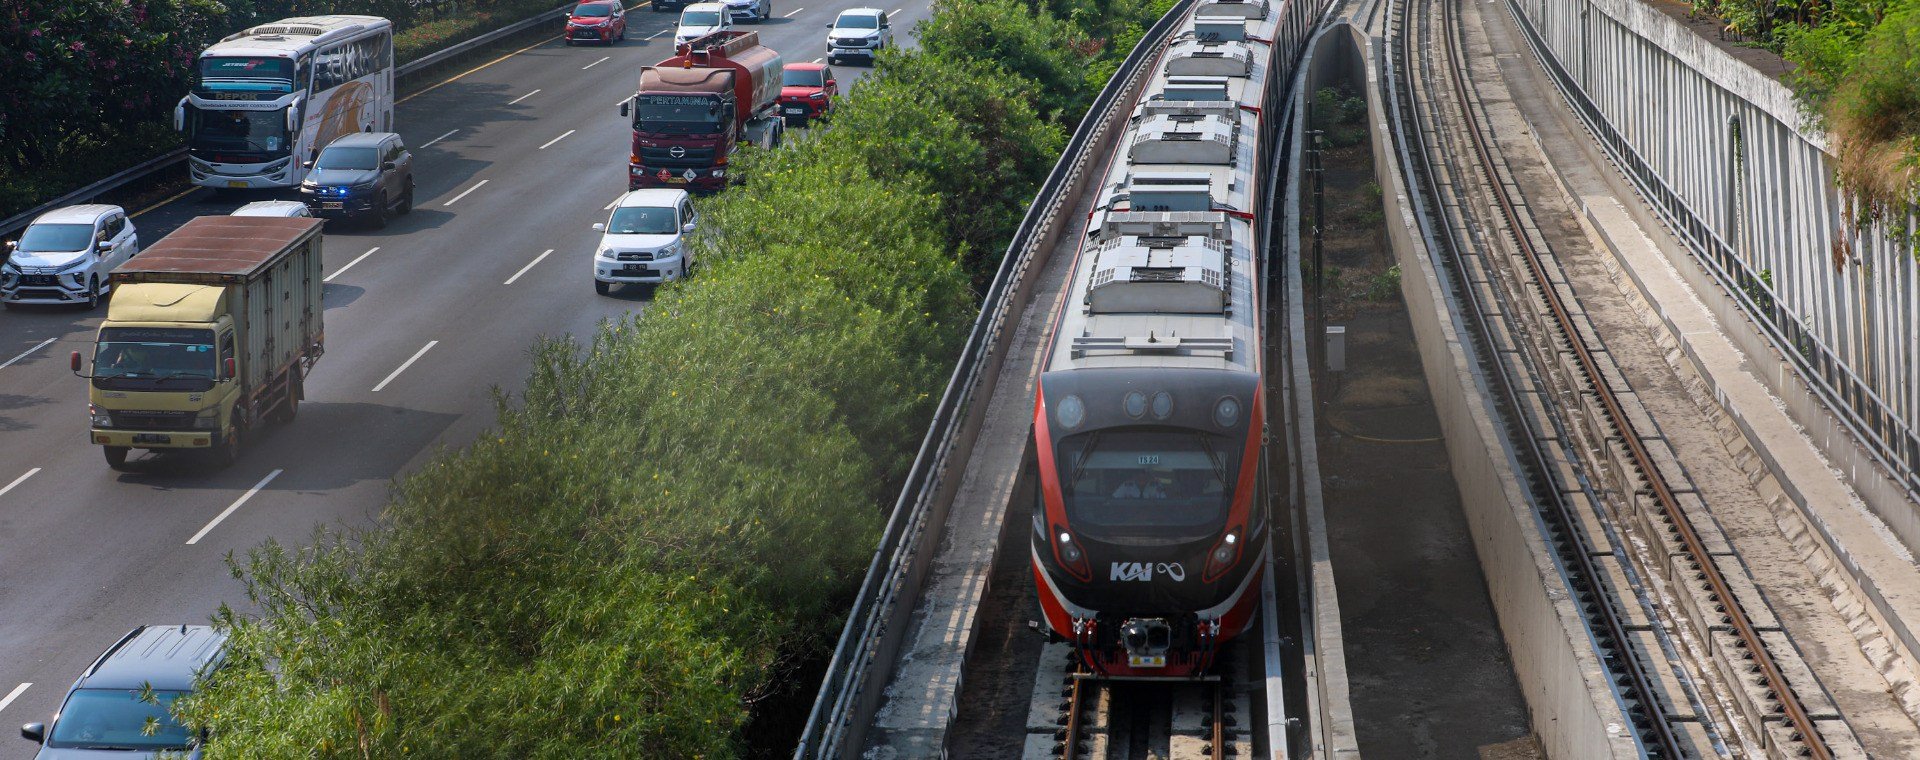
(1080, 460)
(1219, 465)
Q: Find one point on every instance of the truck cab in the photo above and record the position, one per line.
(692, 111)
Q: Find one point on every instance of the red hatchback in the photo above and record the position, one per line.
(602, 21)
(807, 91)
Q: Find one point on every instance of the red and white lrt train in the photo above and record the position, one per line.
(1149, 538)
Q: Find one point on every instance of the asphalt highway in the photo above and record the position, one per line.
(513, 159)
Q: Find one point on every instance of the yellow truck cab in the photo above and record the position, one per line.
(209, 332)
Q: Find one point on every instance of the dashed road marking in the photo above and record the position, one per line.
(456, 199)
(603, 59)
(23, 355)
(13, 695)
(445, 136)
(3, 491)
(234, 506)
(523, 270)
(517, 100)
(562, 136)
(409, 362)
(356, 260)
(791, 12)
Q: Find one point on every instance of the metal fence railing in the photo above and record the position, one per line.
(14, 224)
(857, 673)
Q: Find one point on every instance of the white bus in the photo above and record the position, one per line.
(266, 100)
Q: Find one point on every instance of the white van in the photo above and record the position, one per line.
(701, 19)
(282, 209)
(64, 256)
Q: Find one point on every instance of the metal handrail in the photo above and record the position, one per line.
(171, 158)
(848, 672)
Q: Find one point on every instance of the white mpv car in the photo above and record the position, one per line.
(64, 256)
(644, 240)
(700, 20)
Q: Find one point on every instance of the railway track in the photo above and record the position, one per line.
(1701, 667)
(1097, 719)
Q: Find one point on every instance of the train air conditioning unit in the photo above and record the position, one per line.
(1210, 58)
(1182, 139)
(1249, 9)
(1195, 88)
(1170, 191)
(1159, 275)
(1220, 28)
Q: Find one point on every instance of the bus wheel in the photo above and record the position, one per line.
(116, 456)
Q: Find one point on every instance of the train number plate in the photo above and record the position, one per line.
(1147, 661)
(151, 438)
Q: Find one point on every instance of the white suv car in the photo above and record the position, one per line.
(644, 240)
(64, 256)
(701, 19)
(858, 33)
(751, 11)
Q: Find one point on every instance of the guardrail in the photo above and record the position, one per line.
(851, 687)
(14, 224)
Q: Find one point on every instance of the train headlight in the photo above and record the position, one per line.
(1069, 552)
(1072, 411)
(1223, 557)
(1226, 412)
(1135, 404)
(1162, 405)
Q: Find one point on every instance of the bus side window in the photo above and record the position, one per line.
(303, 73)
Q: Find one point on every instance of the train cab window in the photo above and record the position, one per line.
(1163, 482)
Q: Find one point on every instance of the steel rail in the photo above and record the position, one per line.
(1629, 662)
(175, 157)
(1219, 748)
(1742, 624)
(1076, 696)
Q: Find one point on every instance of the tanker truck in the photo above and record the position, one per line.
(210, 332)
(694, 110)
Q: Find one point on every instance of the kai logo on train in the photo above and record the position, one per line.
(1143, 571)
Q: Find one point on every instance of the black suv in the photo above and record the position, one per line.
(121, 703)
(365, 173)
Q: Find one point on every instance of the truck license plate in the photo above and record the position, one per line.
(151, 438)
(1147, 661)
(332, 205)
(235, 183)
(676, 180)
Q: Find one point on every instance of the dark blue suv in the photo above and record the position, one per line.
(119, 708)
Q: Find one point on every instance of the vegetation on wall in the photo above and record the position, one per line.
(666, 520)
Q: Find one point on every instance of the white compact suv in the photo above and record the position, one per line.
(644, 240)
(858, 33)
(64, 256)
(751, 11)
(701, 19)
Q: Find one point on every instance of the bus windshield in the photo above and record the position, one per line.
(685, 114)
(1147, 482)
(241, 132)
(246, 74)
(154, 358)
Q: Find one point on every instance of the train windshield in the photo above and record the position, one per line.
(1147, 482)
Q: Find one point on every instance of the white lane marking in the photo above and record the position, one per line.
(661, 32)
(336, 273)
(514, 101)
(442, 137)
(456, 199)
(603, 59)
(555, 140)
(13, 695)
(403, 367)
(791, 12)
(612, 203)
(622, 101)
(236, 505)
(23, 355)
(817, 60)
(516, 275)
(890, 13)
(3, 491)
